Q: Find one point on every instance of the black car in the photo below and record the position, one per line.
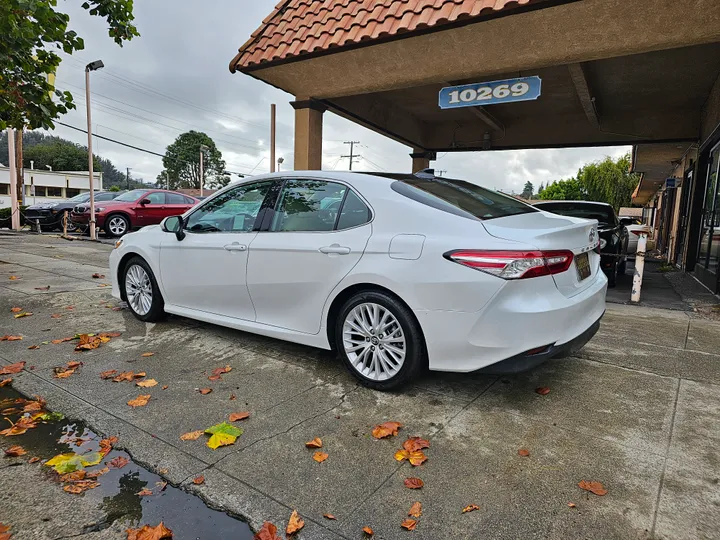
(50, 214)
(613, 234)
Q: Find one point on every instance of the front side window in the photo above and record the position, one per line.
(308, 205)
(132, 196)
(233, 211)
(156, 198)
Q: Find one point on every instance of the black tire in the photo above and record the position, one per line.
(415, 352)
(110, 227)
(157, 305)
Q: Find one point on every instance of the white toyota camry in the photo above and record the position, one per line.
(396, 272)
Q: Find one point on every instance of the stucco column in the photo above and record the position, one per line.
(308, 134)
(421, 159)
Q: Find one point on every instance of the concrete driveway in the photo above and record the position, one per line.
(638, 410)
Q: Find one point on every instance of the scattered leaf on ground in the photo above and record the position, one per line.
(73, 476)
(524, 452)
(368, 531)
(19, 427)
(46, 288)
(415, 458)
(205, 391)
(572, 505)
(149, 533)
(315, 443)
(386, 429)
(98, 276)
(320, 456)
(415, 510)
(4, 534)
(470, 508)
(161, 485)
(221, 370)
(33, 460)
(199, 480)
(409, 524)
(118, 462)
(107, 444)
(543, 390)
(66, 463)
(23, 314)
(139, 401)
(108, 374)
(414, 483)
(10, 338)
(33, 347)
(78, 487)
(5, 382)
(147, 383)
(55, 316)
(593, 487)
(268, 531)
(16, 309)
(129, 376)
(147, 354)
(191, 435)
(165, 387)
(413, 444)
(232, 397)
(65, 372)
(294, 524)
(12, 368)
(50, 416)
(236, 416)
(63, 340)
(329, 516)
(13, 278)
(223, 434)
(144, 492)
(15, 451)
(69, 308)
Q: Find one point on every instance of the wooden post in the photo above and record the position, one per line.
(19, 166)
(65, 223)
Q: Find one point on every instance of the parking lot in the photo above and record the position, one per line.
(637, 410)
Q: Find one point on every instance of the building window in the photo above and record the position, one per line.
(71, 192)
(4, 189)
(54, 192)
(28, 190)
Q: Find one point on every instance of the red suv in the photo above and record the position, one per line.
(133, 210)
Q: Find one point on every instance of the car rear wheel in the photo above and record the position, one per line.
(116, 225)
(379, 340)
(142, 292)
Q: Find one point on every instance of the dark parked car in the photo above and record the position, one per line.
(133, 210)
(50, 214)
(613, 234)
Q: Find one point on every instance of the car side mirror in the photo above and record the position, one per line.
(174, 224)
(145, 201)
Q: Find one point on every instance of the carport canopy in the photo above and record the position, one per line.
(614, 72)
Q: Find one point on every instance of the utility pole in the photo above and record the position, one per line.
(352, 155)
(127, 177)
(272, 138)
(14, 201)
(203, 148)
(19, 166)
(440, 172)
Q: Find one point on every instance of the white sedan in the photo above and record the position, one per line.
(396, 272)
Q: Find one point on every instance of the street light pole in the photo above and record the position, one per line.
(202, 175)
(280, 161)
(92, 66)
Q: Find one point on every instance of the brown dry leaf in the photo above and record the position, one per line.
(129, 376)
(165, 387)
(19, 427)
(10, 338)
(160, 532)
(593, 487)
(221, 370)
(73, 476)
(295, 523)
(199, 480)
(470, 508)
(368, 531)
(161, 485)
(409, 524)
(414, 483)
(12, 368)
(34, 405)
(320, 456)
(268, 531)
(118, 463)
(45, 288)
(63, 373)
(415, 510)
(63, 340)
(23, 314)
(147, 383)
(236, 416)
(232, 397)
(523, 452)
(78, 487)
(415, 458)
(315, 443)
(4, 534)
(108, 374)
(33, 460)
(144, 492)
(139, 401)
(543, 390)
(147, 354)
(16, 309)
(109, 334)
(413, 444)
(386, 429)
(572, 505)
(192, 435)
(15, 451)
(205, 391)
(98, 276)
(13, 278)
(214, 378)
(98, 473)
(107, 444)
(33, 347)
(55, 316)
(5, 382)
(329, 516)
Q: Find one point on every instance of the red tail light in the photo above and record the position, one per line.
(514, 264)
(638, 232)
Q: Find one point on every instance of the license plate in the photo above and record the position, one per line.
(582, 263)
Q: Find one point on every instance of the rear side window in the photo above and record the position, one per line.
(175, 198)
(460, 198)
(354, 212)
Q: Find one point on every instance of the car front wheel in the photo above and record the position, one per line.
(379, 340)
(142, 292)
(116, 225)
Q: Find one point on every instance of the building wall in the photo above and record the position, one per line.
(48, 185)
(710, 113)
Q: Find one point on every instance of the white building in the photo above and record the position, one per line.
(47, 186)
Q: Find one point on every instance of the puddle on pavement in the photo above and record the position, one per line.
(185, 514)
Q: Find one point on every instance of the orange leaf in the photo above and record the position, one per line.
(415, 510)
(19, 427)
(12, 368)
(219, 371)
(98, 276)
(414, 483)
(109, 334)
(368, 531)
(33, 347)
(108, 374)
(63, 373)
(543, 390)
(10, 338)
(129, 376)
(144, 492)
(119, 462)
(15, 451)
(147, 354)
(205, 391)
(147, 383)
(524, 452)
(107, 444)
(320, 456)
(160, 532)
(55, 316)
(329, 516)
(315, 443)
(191, 435)
(267, 532)
(593, 487)
(572, 505)
(409, 524)
(232, 397)
(139, 401)
(4, 534)
(63, 340)
(413, 444)
(294, 524)
(199, 480)
(165, 387)
(13, 278)
(415, 458)
(16, 310)
(470, 508)
(214, 378)
(33, 460)
(73, 476)
(5, 382)
(234, 417)
(78, 487)
(386, 429)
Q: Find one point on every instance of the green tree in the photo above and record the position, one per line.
(32, 30)
(182, 162)
(609, 181)
(528, 190)
(541, 189)
(60, 156)
(564, 190)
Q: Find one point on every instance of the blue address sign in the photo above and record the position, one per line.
(490, 93)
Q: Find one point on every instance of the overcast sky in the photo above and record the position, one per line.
(175, 78)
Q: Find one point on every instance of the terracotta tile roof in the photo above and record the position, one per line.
(297, 27)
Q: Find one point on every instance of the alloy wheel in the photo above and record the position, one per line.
(138, 289)
(374, 341)
(117, 225)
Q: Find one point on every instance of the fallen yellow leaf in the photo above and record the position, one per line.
(320, 456)
(139, 401)
(148, 383)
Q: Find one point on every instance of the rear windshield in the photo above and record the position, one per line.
(460, 198)
(604, 214)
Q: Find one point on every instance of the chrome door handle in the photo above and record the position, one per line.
(335, 248)
(235, 247)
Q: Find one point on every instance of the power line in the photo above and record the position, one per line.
(352, 156)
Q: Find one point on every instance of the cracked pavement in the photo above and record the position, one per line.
(638, 409)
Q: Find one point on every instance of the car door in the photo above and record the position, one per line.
(316, 235)
(152, 212)
(206, 269)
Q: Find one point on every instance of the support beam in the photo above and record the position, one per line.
(486, 117)
(421, 159)
(587, 100)
(308, 134)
